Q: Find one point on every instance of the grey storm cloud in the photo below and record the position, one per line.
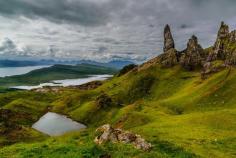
(9, 48)
(73, 11)
(103, 29)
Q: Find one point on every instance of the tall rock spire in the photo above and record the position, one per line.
(168, 39)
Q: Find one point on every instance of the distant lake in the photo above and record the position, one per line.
(12, 71)
(66, 82)
(54, 124)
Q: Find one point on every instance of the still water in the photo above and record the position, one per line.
(54, 124)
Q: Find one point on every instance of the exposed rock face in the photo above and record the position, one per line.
(169, 58)
(225, 46)
(109, 134)
(219, 50)
(193, 56)
(232, 36)
(168, 39)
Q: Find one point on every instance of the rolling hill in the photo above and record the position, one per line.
(56, 72)
(182, 102)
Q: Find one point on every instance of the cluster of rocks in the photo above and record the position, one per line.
(194, 56)
(109, 134)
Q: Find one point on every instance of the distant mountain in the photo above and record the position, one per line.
(117, 64)
(14, 63)
(56, 72)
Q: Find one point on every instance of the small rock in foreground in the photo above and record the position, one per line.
(109, 134)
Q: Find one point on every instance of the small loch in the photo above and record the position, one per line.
(54, 124)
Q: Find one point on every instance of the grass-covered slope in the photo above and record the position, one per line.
(56, 72)
(178, 112)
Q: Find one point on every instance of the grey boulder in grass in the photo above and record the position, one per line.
(109, 134)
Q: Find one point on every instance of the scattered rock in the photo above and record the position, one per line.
(168, 39)
(109, 134)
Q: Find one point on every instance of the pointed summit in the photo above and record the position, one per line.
(168, 39)
(220, 44)
(193, 56)
(223, 31)
(193, 45)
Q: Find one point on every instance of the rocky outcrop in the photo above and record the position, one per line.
(219, 49)
(169, 58)
(109, 134)
(193, 56)
(212, 67)
(225, 46)
(168, 39)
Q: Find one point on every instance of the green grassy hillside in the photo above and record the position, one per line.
(181, 114)
(56, 72)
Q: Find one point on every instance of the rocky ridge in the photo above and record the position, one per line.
(195, 57)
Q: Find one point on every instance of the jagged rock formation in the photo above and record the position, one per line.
(109, 134)
(220, 44)
(193, 56)
(168, 39)
(169, 58)
(225, 46)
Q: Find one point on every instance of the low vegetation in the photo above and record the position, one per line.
(178, 112)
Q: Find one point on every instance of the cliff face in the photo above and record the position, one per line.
(194, 56)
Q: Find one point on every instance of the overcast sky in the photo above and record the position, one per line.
(106, 29)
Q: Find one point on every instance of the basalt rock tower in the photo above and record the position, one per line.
(194, 56)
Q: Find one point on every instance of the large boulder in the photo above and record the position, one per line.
(193, 56)
(109, 134)
(168, 39)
